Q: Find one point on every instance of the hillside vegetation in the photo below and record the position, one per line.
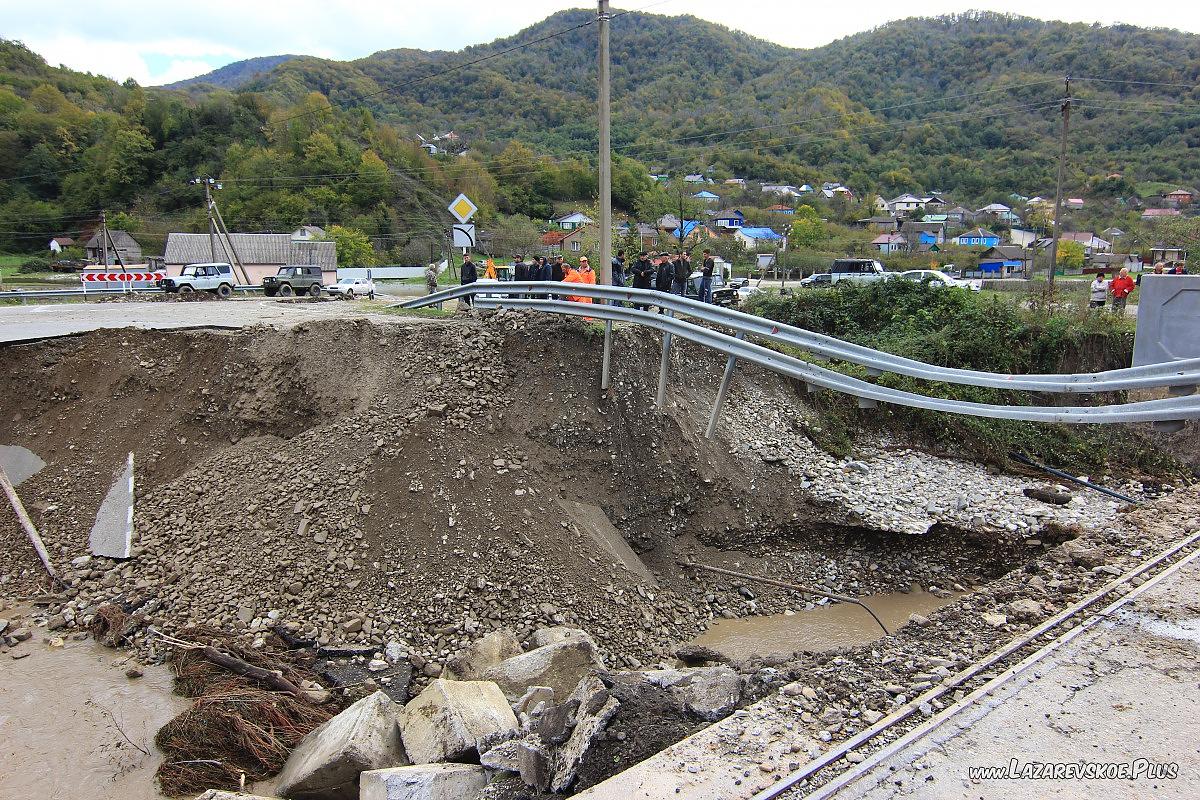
(965, 104)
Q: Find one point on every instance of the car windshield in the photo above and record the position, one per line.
(283, 271)
(187, 272)
(346, 281)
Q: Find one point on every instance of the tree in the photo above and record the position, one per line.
(807, 228)
(353, 247)
(1070, 254)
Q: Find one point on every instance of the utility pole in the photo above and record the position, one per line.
(605, 184)
(104, 236)
(216, 226)
(1058, 192)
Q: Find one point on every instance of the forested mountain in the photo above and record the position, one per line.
(235, 75)
(967, 104)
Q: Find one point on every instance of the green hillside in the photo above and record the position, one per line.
(966, 104)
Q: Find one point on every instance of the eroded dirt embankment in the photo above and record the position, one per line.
(422, 485)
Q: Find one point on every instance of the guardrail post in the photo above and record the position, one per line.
(1173, 425)
(660, 401)
(866, 402)
(606, 366)
(723, 390)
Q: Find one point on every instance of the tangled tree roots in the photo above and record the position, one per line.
(234, 726)
(110, 625)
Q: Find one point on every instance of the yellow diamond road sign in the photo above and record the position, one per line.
(462, 208)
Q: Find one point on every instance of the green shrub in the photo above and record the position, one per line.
(35, 264)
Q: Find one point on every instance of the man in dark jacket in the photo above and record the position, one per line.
(469, 275)
(664, 274)
(683, 270)
(557, 272)
(520, 269)
(706, 276)
(643, 275)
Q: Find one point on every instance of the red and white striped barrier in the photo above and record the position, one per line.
(121, 277)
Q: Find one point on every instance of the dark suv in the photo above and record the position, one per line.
(294, 279)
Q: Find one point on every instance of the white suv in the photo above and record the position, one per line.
(216, 278)
(938, 278)
(857, 270)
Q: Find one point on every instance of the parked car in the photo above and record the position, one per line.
(215, 277)
(734, 293)
(820, 280)
(294, 279)
(938, 278)
(350, 288)
(857, 270)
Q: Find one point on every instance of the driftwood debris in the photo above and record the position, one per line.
(239, 667)
(1046, 496)
(27, 523)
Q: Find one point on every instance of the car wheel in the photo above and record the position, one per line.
(349, 294)
(186, 288)
(371, 295)
(225, 291)
(285, 290)
(314, 290)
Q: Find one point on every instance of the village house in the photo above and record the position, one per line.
(308, 233)
(569, 222)
(999, 212)
(1112, 234)
(1165, 252)
(706, 197)
(731, 218)
(752, 238)
(977, 237)
(880, 224)
(905, 204)
(1002, 261)
(1091, 242)
(120, 243)
(890, 243)
(924, 236)
(59, 243)
(735, 182)
(1154, 214)
(781, 209)
(564, 242)
(783, 190)
(1179, 197)
(1073, 203)
(262, 254)
(695, 179)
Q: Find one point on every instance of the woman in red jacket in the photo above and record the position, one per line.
(1121, 287)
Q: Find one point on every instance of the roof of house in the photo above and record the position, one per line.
(252, 248)
(65, 241)
(314, 231)
(979, 233)
(1188, 192)
(574, 216)
(646, 230)
(907, 197)
(689, 227)
(1009, 252)
(120, 240)
(1113, 232)
(995, 208)
(553, 237)
(1161, 212)
(759, 233)
(780, 207)
(729, 213)
(1083, 237)
(707, 195)
(880, 220)
(889, 238)
(923, 227)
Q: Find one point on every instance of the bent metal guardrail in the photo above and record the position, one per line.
(1168, 410)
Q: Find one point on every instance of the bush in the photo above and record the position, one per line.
(35, 264)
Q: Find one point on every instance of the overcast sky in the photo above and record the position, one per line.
(159, 42)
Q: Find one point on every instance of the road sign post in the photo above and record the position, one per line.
(462, 208)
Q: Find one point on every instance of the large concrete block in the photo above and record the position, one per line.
(544, 636)
(426, 782)
(327, 762)
(470, 663)
(560, 666)
(217, 794)
(708, 692)
(446, 721)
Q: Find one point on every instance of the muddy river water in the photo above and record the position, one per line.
(65, 714)
(821, 628)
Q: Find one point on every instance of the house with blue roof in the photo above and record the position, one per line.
(706, 196)
(977, 237)
(752, 238)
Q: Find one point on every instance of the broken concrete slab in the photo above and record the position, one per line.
(470, 663)
(533, 697)
(504, 756)
(708, 692)
(592, 522)
(112, 532)
(588, 727)
(20, 463)
(533, 764)
(217, 794)
(327, 762)
(425, 782)
(560, 666)
(446, 721)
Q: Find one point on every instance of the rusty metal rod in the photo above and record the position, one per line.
(783, 585)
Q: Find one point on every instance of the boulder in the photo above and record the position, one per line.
(327, 762)
(544, 636)
(446, 721)
(470, 663)
(1025, 609)
(594, 707)
(711, 693)
(533, 764)
(697, 655)
(426, 782)
(560, 666)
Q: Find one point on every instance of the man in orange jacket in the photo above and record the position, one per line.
(584, 274)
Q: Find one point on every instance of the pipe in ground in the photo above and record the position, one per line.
(781, 584)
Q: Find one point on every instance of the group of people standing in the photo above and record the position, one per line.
(664, 272)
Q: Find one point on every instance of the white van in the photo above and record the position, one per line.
(859, 270)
